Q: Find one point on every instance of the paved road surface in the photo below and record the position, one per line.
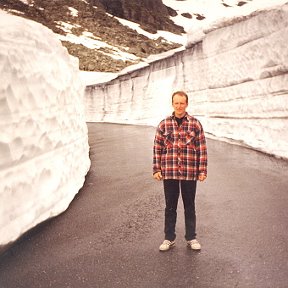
(109, 236)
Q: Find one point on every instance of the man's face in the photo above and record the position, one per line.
(179, 104)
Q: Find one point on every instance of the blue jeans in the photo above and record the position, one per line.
(188, 192)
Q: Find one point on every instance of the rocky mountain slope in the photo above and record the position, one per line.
(90, 17)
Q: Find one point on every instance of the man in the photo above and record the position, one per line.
(180, 159)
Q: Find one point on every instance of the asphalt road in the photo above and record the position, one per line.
(109, 236)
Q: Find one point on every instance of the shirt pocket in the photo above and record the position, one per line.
(190, 139)
(168, 141)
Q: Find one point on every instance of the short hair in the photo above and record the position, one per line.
(180, 93)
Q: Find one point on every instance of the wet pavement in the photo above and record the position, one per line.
(109, 236)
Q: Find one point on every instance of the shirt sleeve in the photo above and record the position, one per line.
(202, 151)
(157, 150)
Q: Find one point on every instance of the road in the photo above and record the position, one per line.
(110, 234)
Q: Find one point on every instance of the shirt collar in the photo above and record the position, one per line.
(185, 116)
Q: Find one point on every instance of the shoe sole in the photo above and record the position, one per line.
(170, 247)
(189, 247)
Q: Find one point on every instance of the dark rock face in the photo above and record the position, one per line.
(152, 15)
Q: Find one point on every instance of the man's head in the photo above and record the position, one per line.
(179, 103)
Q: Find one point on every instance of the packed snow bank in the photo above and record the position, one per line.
(236, 77)
(44, 152)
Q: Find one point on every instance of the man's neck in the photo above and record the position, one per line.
(179, 120)
(179, 115)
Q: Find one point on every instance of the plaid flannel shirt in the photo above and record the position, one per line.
(180, 152)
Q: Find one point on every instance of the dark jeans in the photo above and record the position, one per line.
(172, 191)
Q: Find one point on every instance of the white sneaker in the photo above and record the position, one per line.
(194, 244)
(166, 245)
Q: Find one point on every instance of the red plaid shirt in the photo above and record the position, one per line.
(180, 152)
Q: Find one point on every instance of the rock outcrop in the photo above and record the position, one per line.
(153, 15)
(92, 17)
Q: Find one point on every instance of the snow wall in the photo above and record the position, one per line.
(44, 151)
(235, 73)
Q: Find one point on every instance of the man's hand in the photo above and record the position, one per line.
(158, 176)
(202, 177)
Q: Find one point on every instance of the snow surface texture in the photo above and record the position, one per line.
(235, 75)
(44, 149)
